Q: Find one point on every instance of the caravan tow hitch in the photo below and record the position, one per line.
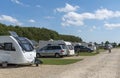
(37, 62)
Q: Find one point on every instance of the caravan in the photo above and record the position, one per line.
(90, 45)
(16, 50)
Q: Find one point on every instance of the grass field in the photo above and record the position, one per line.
(87, 54)
(62, 61)
(91, 53)
(58, 61)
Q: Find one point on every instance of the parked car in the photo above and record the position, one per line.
(82, 48)
(106, 47)
(68, 45)
(52, 50)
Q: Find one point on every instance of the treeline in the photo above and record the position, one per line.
(37, 34)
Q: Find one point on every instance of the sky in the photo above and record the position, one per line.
(92, 20)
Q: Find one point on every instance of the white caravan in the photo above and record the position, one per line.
(67, 45)
(16, 50)
(76, 43)
(89, 45)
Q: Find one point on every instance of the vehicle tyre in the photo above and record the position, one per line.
(57, 55)
(4, 64)
(89, 51)
(37, 65)
(38, 55)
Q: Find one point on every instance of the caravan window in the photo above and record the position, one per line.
(89, 45)
(70, 47)
(1, 46)
(9, 47)
(27, 47)
(25, 43)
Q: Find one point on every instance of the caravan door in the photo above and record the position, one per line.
(10, 53)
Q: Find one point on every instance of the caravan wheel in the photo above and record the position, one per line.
(4, 64)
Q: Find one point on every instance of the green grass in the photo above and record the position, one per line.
(58, 61)
(117, 47)
(87, 54)
(91, 53)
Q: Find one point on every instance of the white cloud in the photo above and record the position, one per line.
(49, 17)
(77, 19)
(32, 21)
(19, 3)
(67, 8)
(93, 28)
(111, 26)
(101, 14)
(72, 18)
(79, 31)
(10, 19)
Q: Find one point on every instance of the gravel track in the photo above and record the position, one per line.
(103, 65)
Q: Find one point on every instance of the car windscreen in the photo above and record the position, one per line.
(25, 43)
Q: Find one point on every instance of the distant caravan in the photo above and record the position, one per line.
(16, 50)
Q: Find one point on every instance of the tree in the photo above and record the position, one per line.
(37, 34)
(107, 42)
(114, 44)
(119, 45)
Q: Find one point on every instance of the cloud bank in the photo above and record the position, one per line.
(73, 18)
(9, 19)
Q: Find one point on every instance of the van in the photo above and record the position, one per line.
(52, 50)
(67, 45)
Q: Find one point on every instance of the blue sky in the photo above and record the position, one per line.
(92, 20)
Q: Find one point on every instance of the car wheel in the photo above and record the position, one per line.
(38, 55)
(88, 51)
(57, 55)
